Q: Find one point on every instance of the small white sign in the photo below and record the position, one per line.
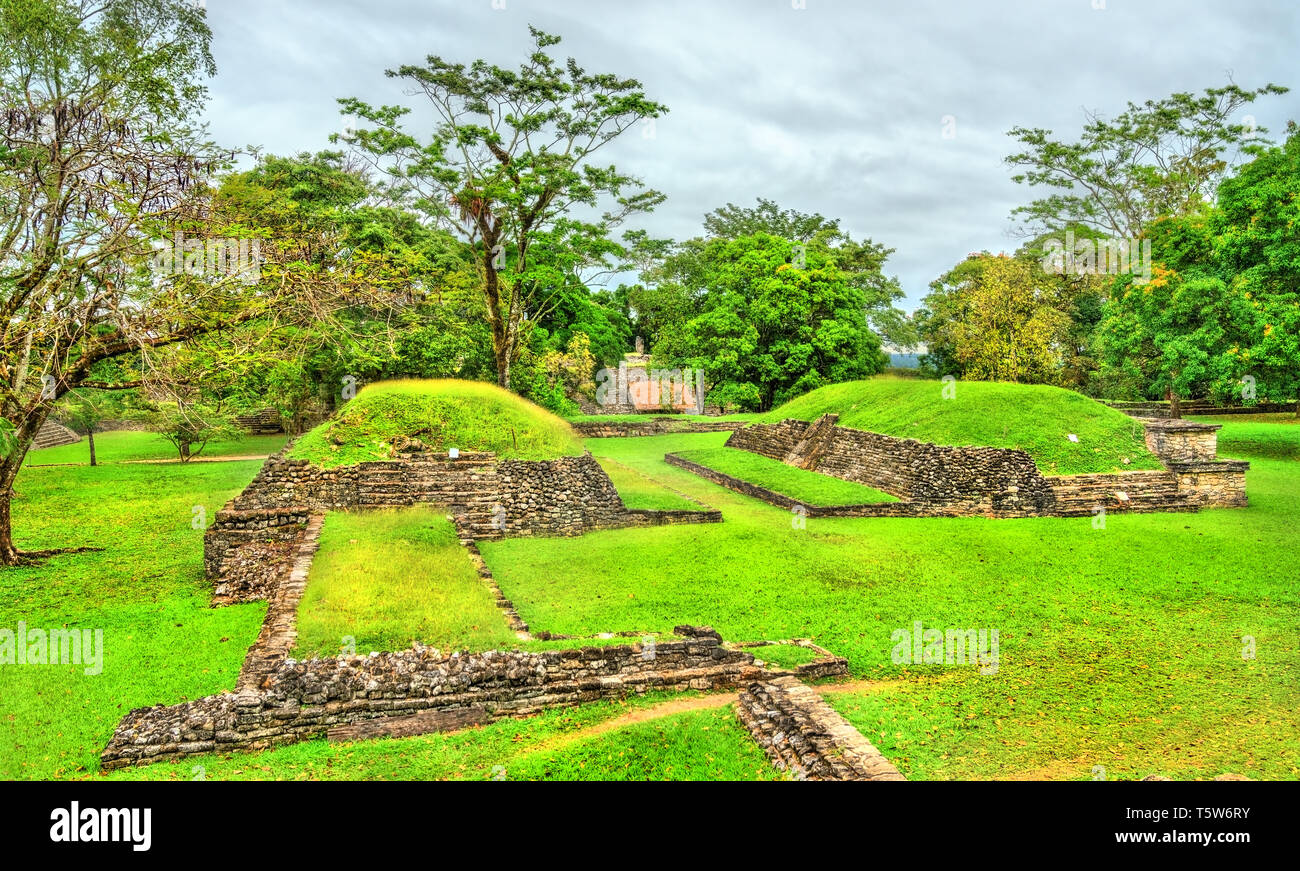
(454, 453)
(1072, 437)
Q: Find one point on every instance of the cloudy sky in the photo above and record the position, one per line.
(839, 107)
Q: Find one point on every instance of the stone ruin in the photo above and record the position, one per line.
(937, 480)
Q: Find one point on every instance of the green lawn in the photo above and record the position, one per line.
(559, 744)
(1276, 436)
(640, 492)
(123, 445)
(145, 590)
(1119, 647)
(387, 578)
(810, 488)
(1034, 418)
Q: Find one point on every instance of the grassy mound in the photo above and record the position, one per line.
(1034, 418)
(443, 414)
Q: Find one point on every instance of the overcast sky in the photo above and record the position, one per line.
(839, 107)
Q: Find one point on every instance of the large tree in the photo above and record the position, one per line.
(770, 322)
(997, 318)
(1257, 240)
(510, 166)
(1161, 158)
(98, 158)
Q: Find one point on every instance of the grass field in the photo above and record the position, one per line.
(1275, 436)
(1034, 418)
(387, 578)
(810, 488)
(640, 492)
(443, 414)
(125, 445)
(1119, 647)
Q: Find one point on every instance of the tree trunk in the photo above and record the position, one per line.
(10, 465)
(8, 471)
(90, 437)
(500, 329)
(184, 448)
(1175, 405)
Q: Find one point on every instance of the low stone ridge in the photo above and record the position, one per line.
(656, 426)
(279, 629)
(804, 735)
(301, 700)
(936, 480)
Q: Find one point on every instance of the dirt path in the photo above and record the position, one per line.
(670, 708)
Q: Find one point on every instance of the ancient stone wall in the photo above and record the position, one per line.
(489, 498)
(936, 480)
(1183, 441)
(301, 700)
(235, 528)
(804, 735)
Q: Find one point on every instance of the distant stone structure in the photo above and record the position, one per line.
(52, 435)
(636, 387)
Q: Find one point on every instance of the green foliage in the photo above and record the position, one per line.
(678, 277)
(442, 414)
(810, 488)
(773, 321)
(1037, 419)
(997, 318)
(1110, 649)
(1159, 159)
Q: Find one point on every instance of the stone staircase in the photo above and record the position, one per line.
(1081, 495)
(814, 444)
(52, 434)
